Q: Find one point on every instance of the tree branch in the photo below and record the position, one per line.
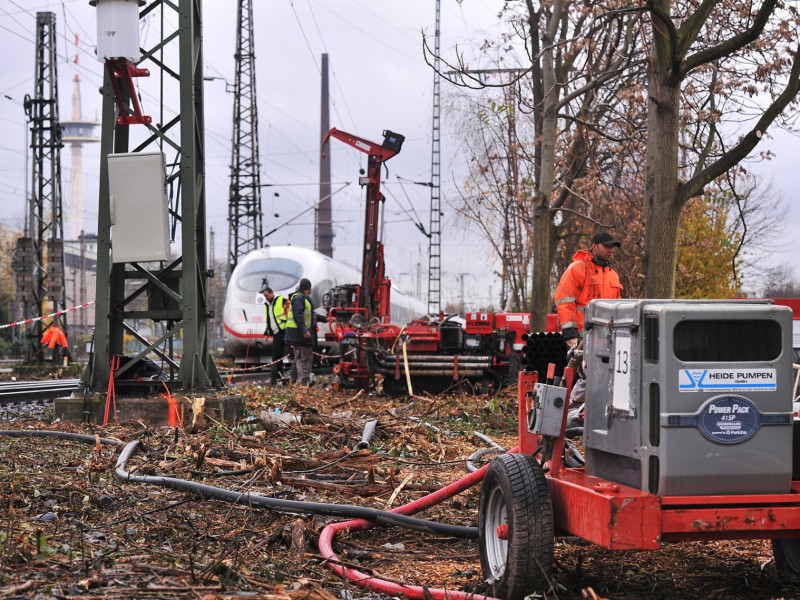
(580, 214)
(466, 76)
(733, 44)
(692, 27)
(672, 34)
(732, 157)
(706, 151)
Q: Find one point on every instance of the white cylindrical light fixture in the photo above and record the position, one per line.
(117, 29)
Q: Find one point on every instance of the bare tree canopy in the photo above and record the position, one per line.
(614, 119)
(720, 74)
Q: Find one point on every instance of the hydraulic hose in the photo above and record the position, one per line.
(290, 506)
(488, 440)
(471, 466)
(375, 583)
(363, 518)
(279, 505)
(495, 449)
(61, 435)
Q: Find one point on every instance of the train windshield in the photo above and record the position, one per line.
(278, 273)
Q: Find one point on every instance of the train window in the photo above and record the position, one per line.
(280, 274)
(727, 341)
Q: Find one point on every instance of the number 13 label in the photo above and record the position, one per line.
(621, 399)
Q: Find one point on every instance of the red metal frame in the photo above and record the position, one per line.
(122, 71)
(372, 298)
(619, 517)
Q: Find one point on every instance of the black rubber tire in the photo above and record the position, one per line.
(787, 558)
(491, 383)
(515, 492)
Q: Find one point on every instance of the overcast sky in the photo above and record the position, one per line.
(379, 80)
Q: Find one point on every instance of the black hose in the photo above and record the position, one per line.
(291, 506)
(62, 435)
(279, 505)
(573, 432)
(471, 466)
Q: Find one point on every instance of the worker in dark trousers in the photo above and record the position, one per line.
(276, 309)
(301, 330)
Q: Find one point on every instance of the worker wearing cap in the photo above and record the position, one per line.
(275, 314)
(589, 276)
(301, 329)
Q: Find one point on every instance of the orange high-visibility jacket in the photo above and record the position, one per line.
(581, 282)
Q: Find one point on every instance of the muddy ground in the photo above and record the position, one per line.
(70, 529)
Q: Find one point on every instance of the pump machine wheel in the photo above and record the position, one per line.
(515, 527)
(787, 558)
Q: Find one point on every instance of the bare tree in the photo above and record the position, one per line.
(578, 56)
(495, 195)
(781, 282)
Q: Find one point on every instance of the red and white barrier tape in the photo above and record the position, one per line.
(55, 314)
(269, 364)
(256, 368)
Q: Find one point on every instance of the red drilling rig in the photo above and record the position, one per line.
(434, 351)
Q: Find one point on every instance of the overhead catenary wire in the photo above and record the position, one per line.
(92, 76)
(314, 59)
(300, 214)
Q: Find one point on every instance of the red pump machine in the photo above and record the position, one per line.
(688, 435)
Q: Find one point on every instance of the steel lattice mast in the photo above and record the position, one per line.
(40, 253)
(435, 245)
(176, 306)
(244, 204)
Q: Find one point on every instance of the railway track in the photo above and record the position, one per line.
(26, 391)
(12, 392)
(23, 400)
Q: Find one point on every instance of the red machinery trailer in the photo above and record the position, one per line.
(434, 351)
(688, 436)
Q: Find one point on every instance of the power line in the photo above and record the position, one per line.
(314, 59)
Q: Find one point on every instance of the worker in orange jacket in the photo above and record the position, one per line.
(589, 276)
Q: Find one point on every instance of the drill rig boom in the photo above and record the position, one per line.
(375, 287)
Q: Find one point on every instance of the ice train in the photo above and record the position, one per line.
(282, 267)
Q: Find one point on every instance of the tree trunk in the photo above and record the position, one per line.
(540, 298)
(542, 217)
(663, 204)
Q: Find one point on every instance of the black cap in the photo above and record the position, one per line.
(606, 239)
(304, 285)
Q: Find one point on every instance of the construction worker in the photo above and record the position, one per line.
(589, 276)
(276, 310)
(301, 330)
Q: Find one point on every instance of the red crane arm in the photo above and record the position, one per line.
(381, 152)
(375, 288)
